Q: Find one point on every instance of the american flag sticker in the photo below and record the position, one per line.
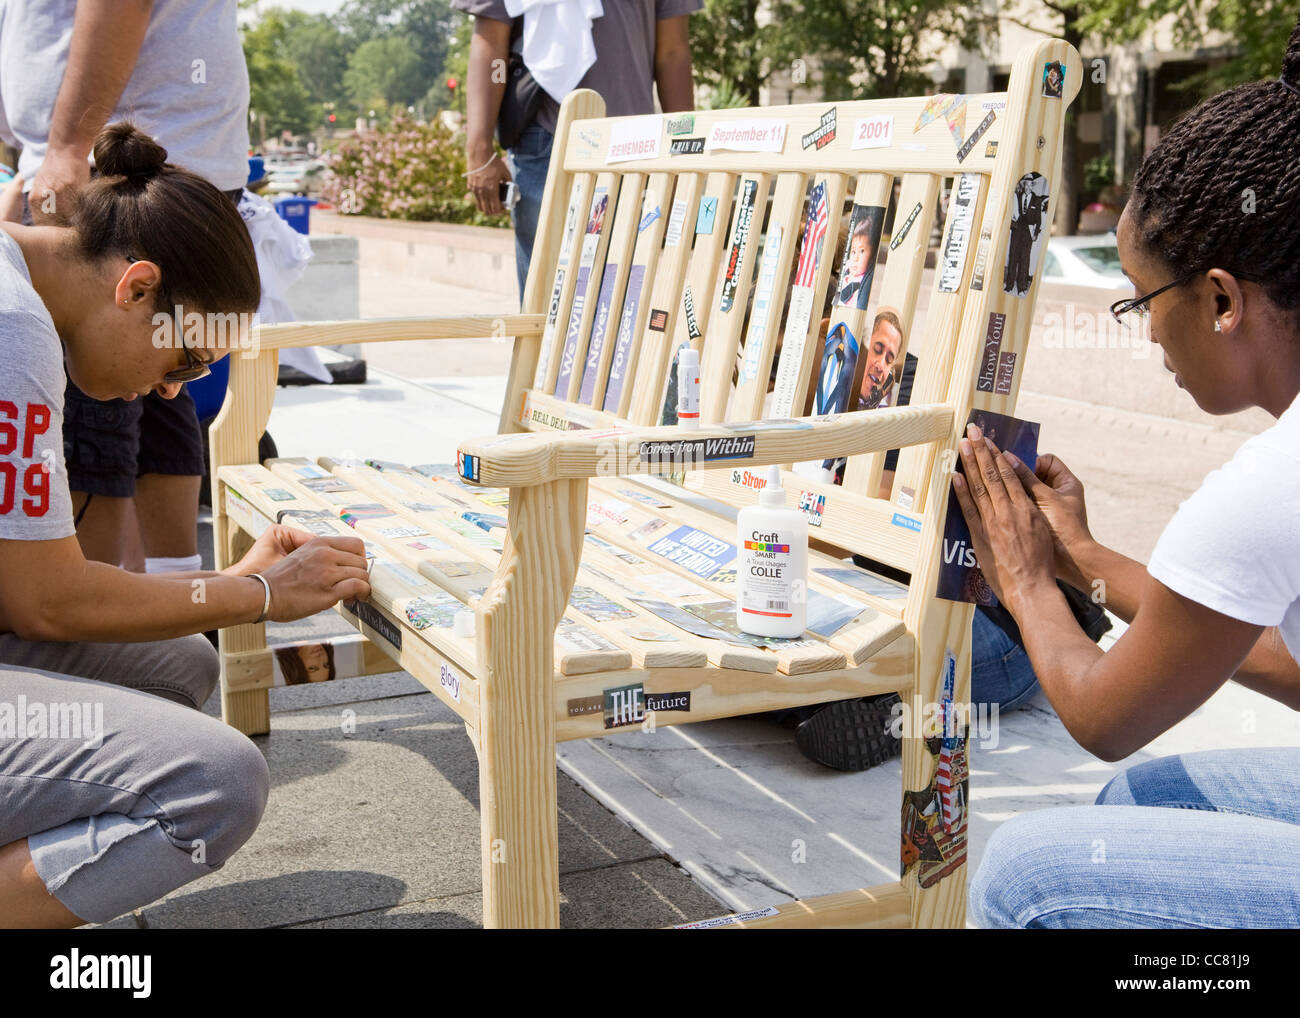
(814, 232)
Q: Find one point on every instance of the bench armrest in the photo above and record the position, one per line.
(387, 330)
(528, 458)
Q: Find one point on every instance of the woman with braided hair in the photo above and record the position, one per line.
(1205, 839)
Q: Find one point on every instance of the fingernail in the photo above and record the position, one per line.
(973, 432)
(1011, 458)
(964, 446)
(959, 482)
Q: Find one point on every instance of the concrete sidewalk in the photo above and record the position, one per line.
(380, 827)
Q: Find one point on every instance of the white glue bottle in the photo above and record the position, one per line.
(772, 581)
(688, 387)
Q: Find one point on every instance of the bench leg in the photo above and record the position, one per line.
(517, 620)
(233, 439)
(935, 808)
(245, 709)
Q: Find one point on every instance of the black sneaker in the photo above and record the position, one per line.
(851, 735)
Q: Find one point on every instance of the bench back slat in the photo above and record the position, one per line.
(591, 263)
(683, 315)
(626, 312)
(780, 242)
(817, 251)
(730, 295)
(627, 217)
(898, 293)
(565, 279)
(636, 355)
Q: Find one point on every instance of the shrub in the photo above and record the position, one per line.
(406, 171)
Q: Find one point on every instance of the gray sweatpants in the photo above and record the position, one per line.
(122, 795)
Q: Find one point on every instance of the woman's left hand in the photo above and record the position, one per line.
(275, 543)
(1012, 539)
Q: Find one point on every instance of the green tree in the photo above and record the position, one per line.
(320, 52)
(871, 49)
(730, 49)
(275, 90)
(384, 73)
(1257, 31)
(429, 25)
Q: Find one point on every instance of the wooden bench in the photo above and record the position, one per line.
(593, 590)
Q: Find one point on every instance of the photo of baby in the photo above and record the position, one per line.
(859, 263)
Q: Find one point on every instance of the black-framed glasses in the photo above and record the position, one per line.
(1140, 307)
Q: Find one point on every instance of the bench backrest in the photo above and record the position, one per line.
(723, 230)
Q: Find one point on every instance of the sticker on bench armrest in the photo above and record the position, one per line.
(696, 450)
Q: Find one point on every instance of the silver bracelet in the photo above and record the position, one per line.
(483, 167)
(266, 605)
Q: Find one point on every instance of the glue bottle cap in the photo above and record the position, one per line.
(772, 494)
(690, 357)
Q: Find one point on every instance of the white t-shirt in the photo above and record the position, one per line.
(189, 88)
(34, 501)
(1234, 546)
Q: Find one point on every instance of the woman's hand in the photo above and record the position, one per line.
(1059, 496)
(317, 575)
(275, 543)
(1013, 541)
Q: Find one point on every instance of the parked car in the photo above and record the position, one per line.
(295, 178)
(1089, 260)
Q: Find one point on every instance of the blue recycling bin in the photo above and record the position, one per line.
(295, 211)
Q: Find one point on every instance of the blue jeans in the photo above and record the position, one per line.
(1202, 840)
(1000, 671)
(529, 160)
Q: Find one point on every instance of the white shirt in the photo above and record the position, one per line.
(1234, 546)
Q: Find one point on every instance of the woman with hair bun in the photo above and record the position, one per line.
(1204, 839)
(140, 795)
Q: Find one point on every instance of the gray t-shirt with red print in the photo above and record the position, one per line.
(34, 501)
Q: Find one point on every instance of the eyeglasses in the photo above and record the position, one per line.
(1141, 306)
(195, 368)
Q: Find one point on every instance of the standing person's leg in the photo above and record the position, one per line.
(1198, 840)
(170, 472)
(101, 442)
(529, 161)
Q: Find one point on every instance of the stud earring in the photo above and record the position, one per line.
(1217, 326)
